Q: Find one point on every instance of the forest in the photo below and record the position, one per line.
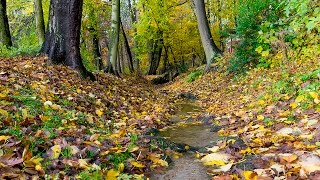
(160, 89)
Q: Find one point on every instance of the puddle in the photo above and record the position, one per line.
(196, 135)
(187, 167)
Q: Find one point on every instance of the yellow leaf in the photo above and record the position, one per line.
(260, 117)
(4, 138)
(4, 113)
(293, 105)
(265, 53)
(246, 151)
(259, 49)
(250, 175)
(104, 153)
(300, 98)
(137, 164)
(215, 158)
(214, 162)
(56, 151)
(156, 160)
(38, 167)
(36, 160)
(112, 175)
(2, 95)
(121, 167)
(262, 102)
(99, 112)
(24, 114)
(79, 91)
(44, 118)
(314, 95)
(316, 100)
(213, 149)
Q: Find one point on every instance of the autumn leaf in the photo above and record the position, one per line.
(56, 150)
(112, 174)
(250, 175)
(137, 164)
(4, 138)
(288, 157)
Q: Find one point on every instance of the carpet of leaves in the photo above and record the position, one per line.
(275, 111)
(56, 125)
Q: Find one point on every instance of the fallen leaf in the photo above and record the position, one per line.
(56, 151)
(112, 174)
(137, 164)
(250, 175)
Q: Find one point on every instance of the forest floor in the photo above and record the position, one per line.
(57, 125)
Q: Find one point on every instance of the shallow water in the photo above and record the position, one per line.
(192, 135)
(187, 167)
(187, 108)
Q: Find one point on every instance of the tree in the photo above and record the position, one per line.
(40, 28)
(210, 48)
(127, 48)
(5, 37)
(63, 36)
(114, 40)
(134, 20)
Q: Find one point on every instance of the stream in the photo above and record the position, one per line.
(187, 167)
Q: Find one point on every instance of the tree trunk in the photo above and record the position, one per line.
(155, 55)
(114, 40)
(127, 48)
(5, 36)
(40, 28)
(96, 52)
(134, 19)
(62, 41)
(210, 48)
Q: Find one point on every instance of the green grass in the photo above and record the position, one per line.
(66, 152)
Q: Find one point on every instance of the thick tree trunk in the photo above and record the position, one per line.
(40, 28)
(5, 37)
(62, 41)
(114, 40)
(127, 48)
(210, 48)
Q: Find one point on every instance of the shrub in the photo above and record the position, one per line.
(194, 75)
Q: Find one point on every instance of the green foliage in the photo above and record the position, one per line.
(194, 75)
(66, 152)
(85, 175)
(34, 146)
(251, 14)
(310, 76)
(118, 158)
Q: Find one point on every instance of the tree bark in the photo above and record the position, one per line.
(134, 19)
(114, 40)
(127, 48)
(155, 54)
(62, 41)
(210, 48)
(5, 36)
(40, 28)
